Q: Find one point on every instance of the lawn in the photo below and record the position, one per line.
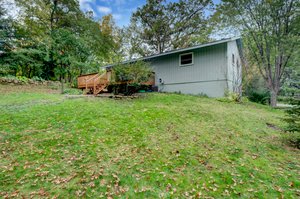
(157, 146)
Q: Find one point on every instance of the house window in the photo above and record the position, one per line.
(186, 59)
(233, 59)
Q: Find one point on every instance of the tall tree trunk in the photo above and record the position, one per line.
(274, 94)
(62, 82)
(51, 65)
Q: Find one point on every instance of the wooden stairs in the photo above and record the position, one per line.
(94, 83)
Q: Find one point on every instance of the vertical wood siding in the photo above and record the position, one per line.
(234, 75)
(208, 75)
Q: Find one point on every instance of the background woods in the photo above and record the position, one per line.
(270, 31)
(54, 39)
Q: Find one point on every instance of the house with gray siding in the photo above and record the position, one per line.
(210, 69)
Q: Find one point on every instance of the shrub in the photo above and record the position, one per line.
(23, 79)
(255, 88)
(38, 79)
(18, 79)
(130, 76)
(6, 70)
(262, 97)
(293, 127)
(136, 72)
(293, 114)
(232, 96)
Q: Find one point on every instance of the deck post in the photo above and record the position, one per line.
(94, 87)
(85, 83)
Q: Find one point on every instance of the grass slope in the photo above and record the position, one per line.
(160, 146)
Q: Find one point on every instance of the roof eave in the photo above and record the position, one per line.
(176, 51)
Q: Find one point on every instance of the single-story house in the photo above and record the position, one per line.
(211, 69)
(208, 69)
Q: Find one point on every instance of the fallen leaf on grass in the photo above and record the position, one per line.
(41, 192)
(63, 180)
(168, 188)
(91, 184)
(102, 182)
(80, 193)
(41, 174)
(279, 189)
(15, 193)
(95, 176)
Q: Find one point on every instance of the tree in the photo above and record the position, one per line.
(133, 45)
(113, 39)
(165, 26)
(43, 23)
(293, 113)
(6, 29)
(270, 31)
(66, 49)
(41, 18)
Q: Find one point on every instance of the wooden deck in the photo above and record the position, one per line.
(95, 83)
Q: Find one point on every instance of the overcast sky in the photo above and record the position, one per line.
(120, 9)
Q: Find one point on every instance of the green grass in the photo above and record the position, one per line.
(158, 146)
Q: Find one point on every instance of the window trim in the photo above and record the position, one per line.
(192, 53)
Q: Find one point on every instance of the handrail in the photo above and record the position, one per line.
(96, 77)
(103, 74)
(87, 80)
(92, 78)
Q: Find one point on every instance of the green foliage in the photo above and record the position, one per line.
(270, 31)
(293, 117)
(160, 25)
(136, 72)
(69, 51)
(38, 79)
(142, 148)
(55, 40)
(292, 92)
(254, 86)
(293, 127)
(10, 77)
(262, 97)
(232, 96)
(130, 76)
(21, 79)
(25, 61)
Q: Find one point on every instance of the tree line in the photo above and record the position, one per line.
(53, 39)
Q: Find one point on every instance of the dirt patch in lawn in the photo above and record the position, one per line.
(6, 89)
